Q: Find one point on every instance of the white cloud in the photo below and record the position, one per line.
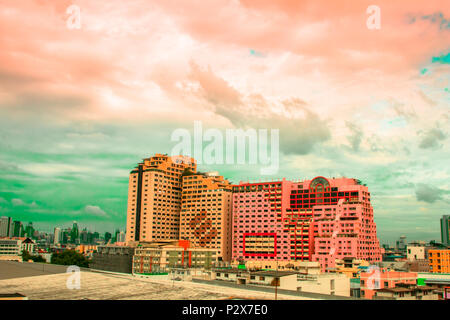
(18, 202)
(95, 211)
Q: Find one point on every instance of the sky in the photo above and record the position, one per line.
(80, 107)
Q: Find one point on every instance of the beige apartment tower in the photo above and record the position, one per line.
(154, 198)
(205, 219)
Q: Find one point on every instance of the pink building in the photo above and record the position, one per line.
(380, 279)
(257, 221)
(316, 220)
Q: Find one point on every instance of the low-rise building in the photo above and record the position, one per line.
(421, 265)
(326, 283)
(86, 250)
(16, 246)
(415, 252)
(407, 292)
(113, 258)
(330, 284)
(306, 267)
(157, 257)
(350, 266)
(376, 279)
(438, 281)
(285, 279)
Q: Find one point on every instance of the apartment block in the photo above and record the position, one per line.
(258, 229)
(154, 198)
(313, 220)
(205, 219)
(439, 261)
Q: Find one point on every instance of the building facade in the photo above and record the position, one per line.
(379, 279)
(113, 258)
(6, 227)
(57, 236)
(154, 198)
(439, 261)
(205, 219)
(313, 220)
(160, 257)
(258, 230)
(16, 246)
(445, 230)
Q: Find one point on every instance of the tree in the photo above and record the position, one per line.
(70, 258)
(26, 256)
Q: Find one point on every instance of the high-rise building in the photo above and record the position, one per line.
(154, 198)
(74, 233)
(29, 230)
(445, 230)
(108, 237)
(205, 218)
(84, 238)
(116, 235)
(258, 231)
(400, 244)
(6, 227)
(121, 237)
(57, 236)
(17, 229)
(318, 220)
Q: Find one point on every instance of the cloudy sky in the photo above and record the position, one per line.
(80, 107)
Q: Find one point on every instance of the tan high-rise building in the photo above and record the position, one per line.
(205, 218)
(154, 198)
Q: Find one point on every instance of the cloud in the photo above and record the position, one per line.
(95, 211)
(430, 139)
(427, 193)
(356, 135)
(18, 202)
(300, 128)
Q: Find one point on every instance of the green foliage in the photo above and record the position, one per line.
(26, 256)
(70, 258)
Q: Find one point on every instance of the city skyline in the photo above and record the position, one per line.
(80, 107)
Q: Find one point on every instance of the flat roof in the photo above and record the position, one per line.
(273, 273)
(14, 269)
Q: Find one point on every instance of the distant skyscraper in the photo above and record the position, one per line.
(29, 231)
(74, 234)
(57, 238)
(445, 230)
(84, 236)
(401, 244)
(108, 237)
(17, 229)
(116, 236)
(121, 237)
(6, 227)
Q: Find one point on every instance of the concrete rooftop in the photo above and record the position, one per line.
(48, 282)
